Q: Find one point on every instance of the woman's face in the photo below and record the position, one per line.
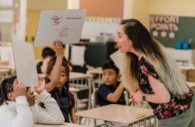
(124, 44)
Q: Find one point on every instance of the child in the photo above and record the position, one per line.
(47, 53)
(18, 108)
(58, 66)
(111, 92)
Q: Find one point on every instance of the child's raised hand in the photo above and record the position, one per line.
(41, 85)
(19, 88)
(58, 47)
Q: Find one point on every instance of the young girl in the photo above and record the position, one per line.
(18, 107)
(154, 77)
(60, 89)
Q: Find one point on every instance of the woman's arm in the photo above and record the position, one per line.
(161, 95)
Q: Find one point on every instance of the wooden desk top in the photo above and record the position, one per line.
(65, 125)
(76, 75)
(117, 113)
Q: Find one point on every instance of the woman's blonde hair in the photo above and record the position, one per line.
(155, 54)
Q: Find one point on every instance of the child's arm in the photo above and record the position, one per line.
(51, 114)
(73, 115)
(22, 108)
(55, 73)
(114, 97)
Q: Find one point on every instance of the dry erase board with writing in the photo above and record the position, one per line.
(169, 29)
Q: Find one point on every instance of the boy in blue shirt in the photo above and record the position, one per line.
(111, 91)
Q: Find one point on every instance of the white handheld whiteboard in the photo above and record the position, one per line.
(25, 63)
(65, 26)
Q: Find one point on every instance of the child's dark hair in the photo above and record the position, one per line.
(109, 64)
(47, 51)
(65, 64)
(6, 87)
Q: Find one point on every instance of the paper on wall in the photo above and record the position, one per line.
(25, 63)
(65, 26)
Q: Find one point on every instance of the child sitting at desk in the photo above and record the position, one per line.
(47, 53)
(18, 107)
(111, 92)
(58, 67)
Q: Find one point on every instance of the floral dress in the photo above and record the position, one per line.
(177, 104)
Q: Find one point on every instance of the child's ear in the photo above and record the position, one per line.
(10, 96)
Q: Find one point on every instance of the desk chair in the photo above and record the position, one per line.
(81, 88)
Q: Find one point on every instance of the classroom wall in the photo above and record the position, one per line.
(102, 8)
(172, 7)
(141, 9)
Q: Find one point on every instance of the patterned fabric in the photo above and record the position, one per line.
(178, 103)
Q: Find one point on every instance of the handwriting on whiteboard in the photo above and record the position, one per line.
(56, 21)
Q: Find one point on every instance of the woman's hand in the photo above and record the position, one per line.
(137, 96)
(58, 47)
(41, 85)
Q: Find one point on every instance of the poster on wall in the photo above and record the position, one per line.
(65, 26)
(172, 30)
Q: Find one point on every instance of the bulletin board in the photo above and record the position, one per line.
(169, 29)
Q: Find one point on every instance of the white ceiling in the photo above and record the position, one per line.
(46, 4)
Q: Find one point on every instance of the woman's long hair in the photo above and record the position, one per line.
(6, 87)
(154, 53)
(65, 64)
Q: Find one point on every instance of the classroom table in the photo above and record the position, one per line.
(124, 115)
(64, 125)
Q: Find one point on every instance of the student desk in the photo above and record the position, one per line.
(124, 115)
(80, 82)
(64, 125)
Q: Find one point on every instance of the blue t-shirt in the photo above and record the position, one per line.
(105, 90)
